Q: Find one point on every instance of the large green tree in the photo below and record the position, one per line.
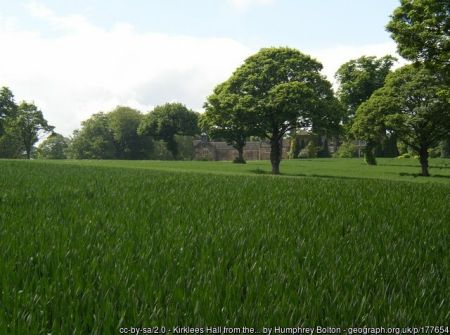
(421, 29)
(282, 89)
(111, 135)
(166, 121)
(11, 145)
(95, 139)
(359, 78)
(414, 104)
(123, 123)
(224, 118)
(30, 125)
(8, 107)
(53, 147)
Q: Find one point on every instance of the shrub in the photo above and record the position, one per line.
(408, 155)
(346, 150)
(309, 152)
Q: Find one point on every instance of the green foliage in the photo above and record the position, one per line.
(411, 104)
(281, 89)
(8, 108)
(420, 112)
(312, 149)
(408, 155)
(346, 150)
(445, 148)
(29, 124)
(111, 135)
(141, 247)
(11, 146)
(168, 120)
(54, 147)
(20, 127)
(369, 153)
(123, 123)
(359, 78)
(421, 29)
(435, 151)
(225, 118)
(388, 146)
(185, 147)
(95, 139)
(323, 151)
(294, 150)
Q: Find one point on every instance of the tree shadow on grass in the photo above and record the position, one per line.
(415, 175)
(263, 172)
(260, 171)
(418, 166)
(269, 173)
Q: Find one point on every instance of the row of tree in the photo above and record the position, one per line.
(123, 133)
(413, 104)
(275, 94)
(280, 90)
(126, 133)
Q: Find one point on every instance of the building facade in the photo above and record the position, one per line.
(221, 151)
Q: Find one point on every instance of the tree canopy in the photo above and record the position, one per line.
(30, 125)
(224, 118)
(8, 107)
(123, 123)
(414, 104)
(53, 147)
(168, 120)
(111, 135)
(421, 29)
(280, 89)
(94, 140)
(359, 78)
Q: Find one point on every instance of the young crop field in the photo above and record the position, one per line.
(89, 247)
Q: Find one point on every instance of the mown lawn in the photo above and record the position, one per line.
(387, 168)
(89, 247)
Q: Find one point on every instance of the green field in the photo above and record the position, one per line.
(387, 168)
(87, 247)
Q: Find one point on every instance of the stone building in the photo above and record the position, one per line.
(220, 151)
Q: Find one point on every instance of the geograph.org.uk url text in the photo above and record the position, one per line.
(285, 330)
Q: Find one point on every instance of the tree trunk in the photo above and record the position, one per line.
(241, 154)
(240, 158)
(369, 156)
(172, 147)
(28, 146)
(275, 154)
(424, 160)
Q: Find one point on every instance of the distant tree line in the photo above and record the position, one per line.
(280, 94)
(21, 126)
(124, 133)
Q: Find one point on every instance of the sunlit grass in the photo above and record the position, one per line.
(387, 168)
(88, 249)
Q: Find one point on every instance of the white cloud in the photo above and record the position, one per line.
(243, 5)
(87, 69)
(71, 22)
